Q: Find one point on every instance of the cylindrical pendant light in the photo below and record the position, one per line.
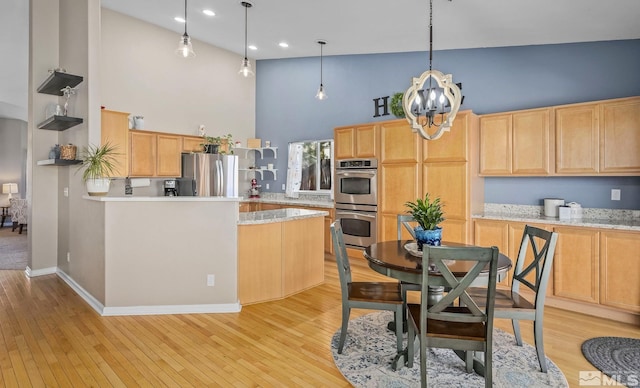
(185, 49)
(245, 68)
(321, 94)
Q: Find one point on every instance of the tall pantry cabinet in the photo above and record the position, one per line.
(409, 167)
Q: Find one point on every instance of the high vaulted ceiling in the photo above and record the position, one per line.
(348, 26)
(382, 26)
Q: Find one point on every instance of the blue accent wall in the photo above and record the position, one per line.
(493, 80)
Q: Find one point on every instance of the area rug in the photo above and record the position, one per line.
(13, 249)
(369, 349)
(617, 357)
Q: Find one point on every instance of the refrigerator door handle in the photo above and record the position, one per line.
(220, 174)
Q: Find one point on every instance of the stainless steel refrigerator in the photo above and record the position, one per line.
(209, 175)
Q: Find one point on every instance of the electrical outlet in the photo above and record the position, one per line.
(68, 257)
(65, 191)
(283, 187)
(267, 186)
(211, 280)
(615, 194)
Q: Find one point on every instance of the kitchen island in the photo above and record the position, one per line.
(280, 253)
(178, 255)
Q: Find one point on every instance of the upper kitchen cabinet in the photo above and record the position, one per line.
(515, 143)
(169, 161)
(355, 142)
(155, 154)
(398, 143)
(620, 136)
(115, 131)
(599, 138)
(577, 139)
(143, 151)
(192, 144)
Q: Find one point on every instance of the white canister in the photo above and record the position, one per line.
(551, 206)
(576, 209)
(564, 212)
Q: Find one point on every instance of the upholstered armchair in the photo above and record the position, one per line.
(18, 211)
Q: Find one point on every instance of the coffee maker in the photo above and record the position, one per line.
(170, 188)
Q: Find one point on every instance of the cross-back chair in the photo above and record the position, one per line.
(532, 270)
(364, 295)
(466, 327)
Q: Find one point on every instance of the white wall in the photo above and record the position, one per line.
(141, 74)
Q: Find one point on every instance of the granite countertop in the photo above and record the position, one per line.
(309, 200)
(592, 218)
(160, 199)
(280, 215)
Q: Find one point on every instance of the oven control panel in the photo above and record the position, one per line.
(358, 163)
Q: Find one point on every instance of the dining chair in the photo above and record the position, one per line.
(405, 220)
(512, 304)
(466, 327)
(364, 295)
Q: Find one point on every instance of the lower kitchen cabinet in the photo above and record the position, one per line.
(620, 270)
(576, 267)
(276, 260)
(595, 271)
(258, 206)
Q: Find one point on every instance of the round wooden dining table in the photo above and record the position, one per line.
(392, 259)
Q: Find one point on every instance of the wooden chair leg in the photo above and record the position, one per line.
(21, 225)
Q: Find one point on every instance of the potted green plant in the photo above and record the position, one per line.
(428, 214)
(212, 144)
(99, 165)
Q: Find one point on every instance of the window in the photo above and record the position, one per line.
(316, 166)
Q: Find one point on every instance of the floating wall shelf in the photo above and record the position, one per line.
(58, 162)
(58, 81)
(59, 123)
(260, 170)
(259, 150)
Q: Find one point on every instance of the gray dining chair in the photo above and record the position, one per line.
(466, 327)
(364, 295)
(511, 304)
(405, 221)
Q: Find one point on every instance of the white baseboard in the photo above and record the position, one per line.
(147, 310)
(39, 272)
(173, 309)
(93, 302)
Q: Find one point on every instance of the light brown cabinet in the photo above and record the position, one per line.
(620, 270)
(577, 139)
(143, 154)
(192, 144)
(620, 137)
(447, 168)
(515, 143)
(355, 142)
(259, 206)
(115, 131)
(154, 154)
(276, 260)
(600, 138)
(169, 155)
(595, 271)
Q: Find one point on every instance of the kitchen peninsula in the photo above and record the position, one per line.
(170, 255)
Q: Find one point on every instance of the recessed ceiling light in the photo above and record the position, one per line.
(283, 44)
(252, 47)
(179, 19)
(208, 12)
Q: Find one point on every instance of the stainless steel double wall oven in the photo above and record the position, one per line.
(356, 197)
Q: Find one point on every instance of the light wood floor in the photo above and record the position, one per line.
(50, 337)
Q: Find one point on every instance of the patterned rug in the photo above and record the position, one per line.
(13, 249)
(617, 357)
(369, 349)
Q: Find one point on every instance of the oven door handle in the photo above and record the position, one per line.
(355, 215)
(356, 172)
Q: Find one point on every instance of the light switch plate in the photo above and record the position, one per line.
(615, 194)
